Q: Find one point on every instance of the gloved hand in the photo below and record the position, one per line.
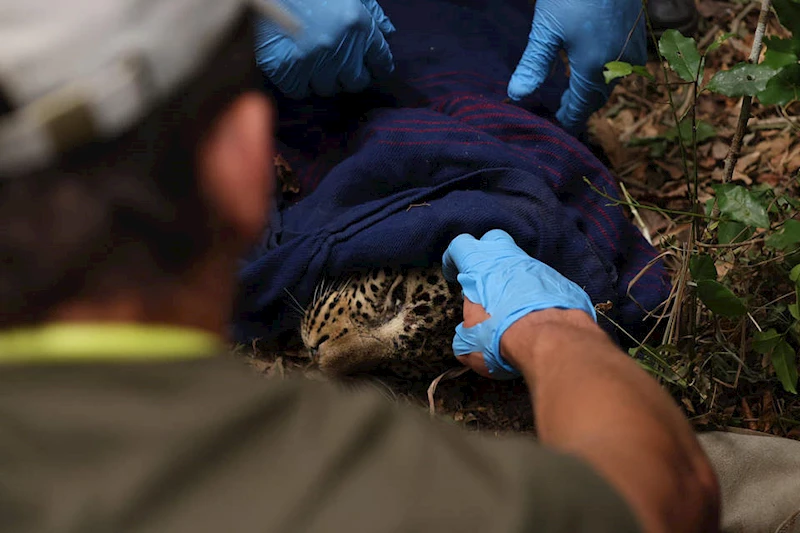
(341, 46)
(592, 32)
(495, 273)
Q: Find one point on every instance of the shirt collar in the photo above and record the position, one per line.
(105, 342)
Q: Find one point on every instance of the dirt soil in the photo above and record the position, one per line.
(627, 131)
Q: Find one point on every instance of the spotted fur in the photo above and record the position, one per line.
(396, 320)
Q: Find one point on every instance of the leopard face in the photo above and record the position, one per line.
(400, 320)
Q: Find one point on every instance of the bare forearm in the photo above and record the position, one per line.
(593, 401)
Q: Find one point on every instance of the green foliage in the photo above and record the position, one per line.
(782, 55)
(681, 54)
(705, 131)
(766, 341)
(783, 88)
(730, 232)
(702, 267)
(720, 299)
(741, 205)
(659, 143)
(787, 237)
(775, 81)
(620, 69)
(753, 225)
(718, 42)
(789, 14)
(785, 364)
(744, 79)
(780, 52)
(783, 356)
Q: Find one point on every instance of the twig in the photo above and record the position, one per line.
(617, 201)
(708, 37)
(774, 123)
(740, 17)
(741, 244)
(635, 212)
(449, 374)
(744, 114)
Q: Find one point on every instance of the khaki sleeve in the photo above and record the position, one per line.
(359, 463)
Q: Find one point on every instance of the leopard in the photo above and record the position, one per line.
(392, 329)
(396, 321)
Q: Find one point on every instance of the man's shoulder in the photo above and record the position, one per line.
(234, 450)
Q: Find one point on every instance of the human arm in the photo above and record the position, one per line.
(590, 399)
(340, 46)
(592, 32)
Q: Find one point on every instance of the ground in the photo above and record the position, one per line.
(709, 366)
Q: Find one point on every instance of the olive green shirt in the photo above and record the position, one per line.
(203, 445)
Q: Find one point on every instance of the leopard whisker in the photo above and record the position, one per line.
(294, 301)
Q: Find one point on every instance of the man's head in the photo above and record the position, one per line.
(135, 155)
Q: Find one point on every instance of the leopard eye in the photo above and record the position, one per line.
(398, 294)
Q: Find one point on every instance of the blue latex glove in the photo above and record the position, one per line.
(495, 273)
(340, 47)
(592, 32)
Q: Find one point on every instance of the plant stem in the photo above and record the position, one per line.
(744, 114)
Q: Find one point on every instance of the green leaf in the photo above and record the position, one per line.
(777, 60)
(731, 232)
(702, 267)
(783, 88)
(766, 341)
(681, 54)
(785, 46)
(718, 42)
(719, 299)
(789, 14)
(620, 69)
(705, 131)
(641, 70)
(617, 69)
(743, 79)
(780, 52)
(783, 360)
(741, 205)
(788, 235)
(794, 310)
(794, 274)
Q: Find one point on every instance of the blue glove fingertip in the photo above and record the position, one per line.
(498, 235)
(378, 57)
(453, 256)
(534, 65)
(464, 341)
(379, 16)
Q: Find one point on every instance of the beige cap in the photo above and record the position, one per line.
(77, 70)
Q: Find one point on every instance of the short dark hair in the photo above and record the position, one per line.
(124, 213)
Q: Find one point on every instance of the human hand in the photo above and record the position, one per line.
(592, 32)
(341, 47)
(507, 284)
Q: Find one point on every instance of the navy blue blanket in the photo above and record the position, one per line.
(393, 174)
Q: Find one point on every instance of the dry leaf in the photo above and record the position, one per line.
(719, 150)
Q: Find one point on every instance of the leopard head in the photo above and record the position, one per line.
(401, 319)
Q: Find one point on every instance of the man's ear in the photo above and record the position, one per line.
(236, 169)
